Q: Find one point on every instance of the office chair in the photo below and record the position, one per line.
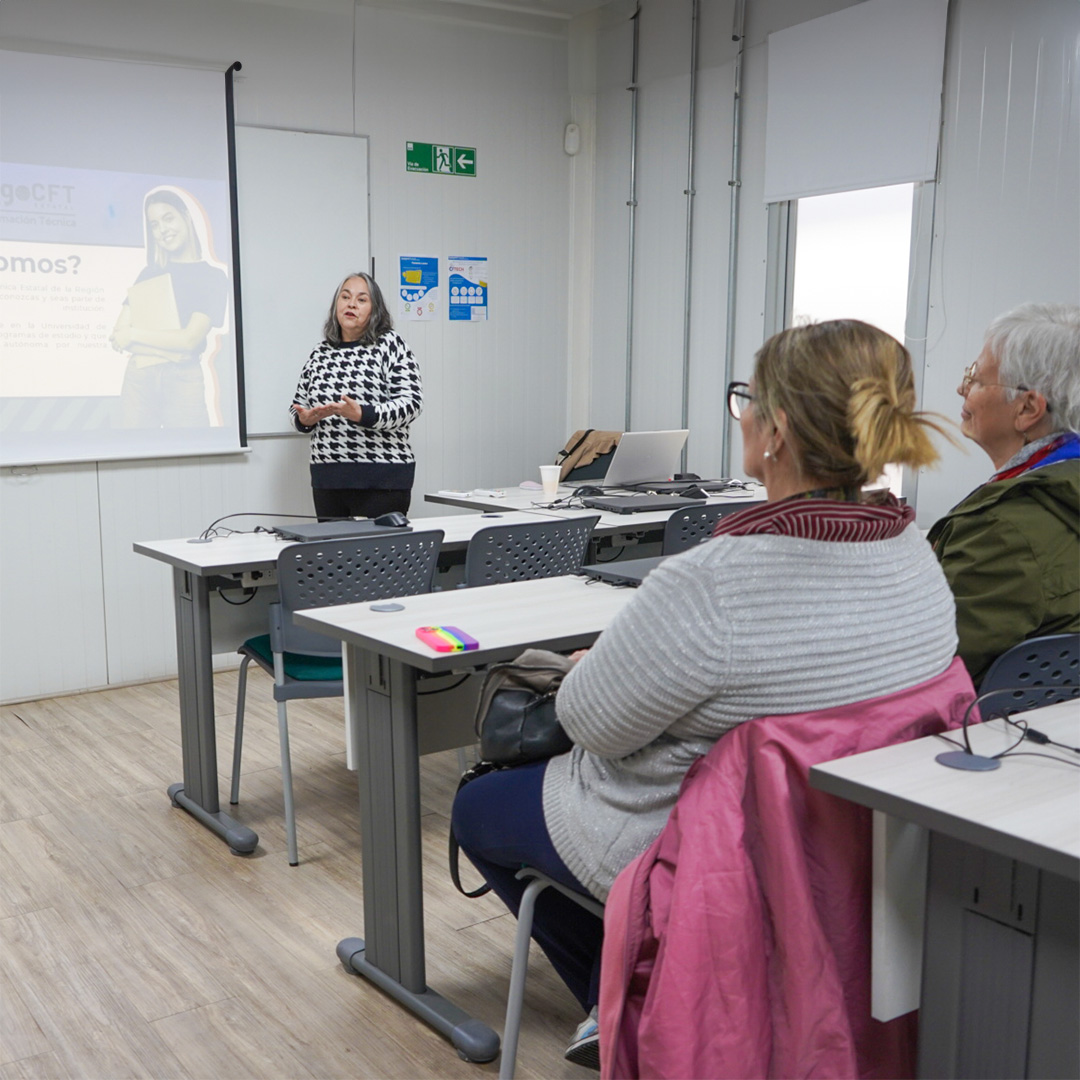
(1039, 671)
(687, 528)
(520, 966)
(305, 664)
(546, 548)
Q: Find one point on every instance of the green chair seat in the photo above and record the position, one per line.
(298, 666)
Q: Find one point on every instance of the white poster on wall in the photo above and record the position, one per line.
(468, 278)
(418, 288)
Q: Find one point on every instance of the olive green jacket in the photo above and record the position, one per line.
(1011, 554)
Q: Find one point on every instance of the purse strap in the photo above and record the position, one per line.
(478, 769)
(565, 452)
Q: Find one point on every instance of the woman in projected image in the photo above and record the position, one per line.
(176, 301)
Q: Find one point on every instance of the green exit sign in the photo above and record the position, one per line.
(437, 158)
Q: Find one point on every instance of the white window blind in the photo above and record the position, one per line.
(854, 99)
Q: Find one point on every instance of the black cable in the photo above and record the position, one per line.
(248, 593)
(209, 530)
(1051, 757)
(1008, 750)
(951, 742)
(618, 555)
(1040, 738)
(444, 689)
(994, 714)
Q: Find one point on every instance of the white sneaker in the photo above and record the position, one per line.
(584, 1048)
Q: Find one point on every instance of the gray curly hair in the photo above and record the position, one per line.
(1038, 347)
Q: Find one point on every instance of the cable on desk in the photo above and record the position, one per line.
(211, 529)
(1038, 737)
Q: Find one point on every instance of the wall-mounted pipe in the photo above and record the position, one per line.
(632, 204)
(689, 193)
(738, 35)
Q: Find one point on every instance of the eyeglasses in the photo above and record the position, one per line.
(969, 380)
(738, 397)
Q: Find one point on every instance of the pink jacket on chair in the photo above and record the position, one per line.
(738, 945)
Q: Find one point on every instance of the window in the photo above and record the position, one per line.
(852, 255)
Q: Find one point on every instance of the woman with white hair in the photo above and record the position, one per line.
(1011, 549)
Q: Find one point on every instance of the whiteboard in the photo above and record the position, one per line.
(303, 223)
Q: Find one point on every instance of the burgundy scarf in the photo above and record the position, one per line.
(820, 519)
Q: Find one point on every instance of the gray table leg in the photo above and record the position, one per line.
(383, 701)
(198, 794)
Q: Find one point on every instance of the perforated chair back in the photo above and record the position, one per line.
(1039, 671)
(546, 548)
(687, 528)
(326, 573)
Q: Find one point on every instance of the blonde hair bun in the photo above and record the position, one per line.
(848, 392)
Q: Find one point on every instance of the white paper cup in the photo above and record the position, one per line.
(549, 477)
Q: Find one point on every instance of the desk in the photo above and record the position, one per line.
(1001, 955)
(610, 525)
(231, 561)
(383, 657)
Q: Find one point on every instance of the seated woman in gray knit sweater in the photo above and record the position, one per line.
(815, 599)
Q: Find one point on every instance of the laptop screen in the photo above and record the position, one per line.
(645, 455)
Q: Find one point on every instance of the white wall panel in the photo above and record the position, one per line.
(611, 227)
(496, 392)
(660, 272)
(52, 625)
(1007, 218)
(151, 500)
(296, 63)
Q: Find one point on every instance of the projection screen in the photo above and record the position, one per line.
(118, 315)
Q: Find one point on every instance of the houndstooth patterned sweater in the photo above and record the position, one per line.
(375, 452)
(735, 628)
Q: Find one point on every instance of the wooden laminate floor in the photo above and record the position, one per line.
(132, 944)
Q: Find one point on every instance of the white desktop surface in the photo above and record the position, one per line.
(553, 613)
(241, 551)
(1029, 809)
(533, 500)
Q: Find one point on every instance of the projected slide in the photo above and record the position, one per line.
(116, 293)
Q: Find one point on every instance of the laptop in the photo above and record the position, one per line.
(335, 530)
(631, 572)
(645, 455)
(638, 504)
(677, 487)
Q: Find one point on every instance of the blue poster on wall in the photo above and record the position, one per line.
(418, 287)
(469, 278)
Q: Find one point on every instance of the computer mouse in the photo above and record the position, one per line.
(694, 492)
(395, 519)
(587, 490)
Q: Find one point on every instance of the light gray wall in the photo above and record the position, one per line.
(80, 609)
(1006, 213)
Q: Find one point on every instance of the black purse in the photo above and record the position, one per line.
(515, 714)
(516, 723)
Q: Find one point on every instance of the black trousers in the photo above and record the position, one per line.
(333, 503)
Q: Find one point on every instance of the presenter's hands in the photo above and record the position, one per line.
(120, 338)
(310, 417)
(347, 407)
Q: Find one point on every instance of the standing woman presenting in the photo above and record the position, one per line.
(358, 393)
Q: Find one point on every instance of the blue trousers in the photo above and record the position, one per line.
(498, 820)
